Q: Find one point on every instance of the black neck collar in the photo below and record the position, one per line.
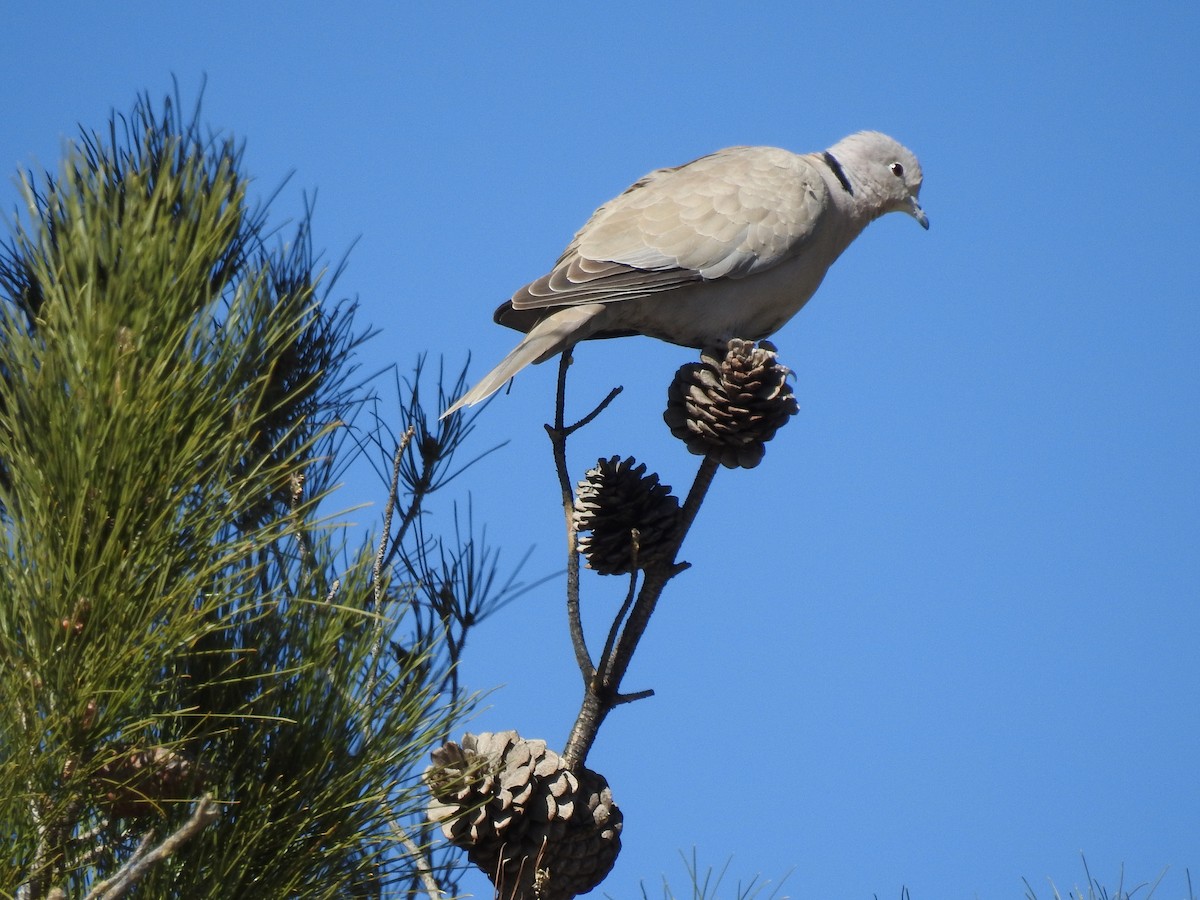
(839, 173)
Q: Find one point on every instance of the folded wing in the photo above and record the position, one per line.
(727, 215)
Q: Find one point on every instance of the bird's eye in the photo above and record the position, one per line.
(897, 170)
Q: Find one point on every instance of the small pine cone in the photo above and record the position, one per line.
(539, 830)
(729, 408)
(616, 498)
(141, 782)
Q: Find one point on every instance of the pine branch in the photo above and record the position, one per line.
(558, 441)
(602, 681)
(424, 872)
(174, 394)
(139, 864)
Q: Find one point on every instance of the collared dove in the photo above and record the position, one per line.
(728, 245)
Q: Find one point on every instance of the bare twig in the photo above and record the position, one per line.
(691, 506)
(600, 407)
(624, 610)
(618, 699)
(380, 557)
(615, 666)
(421, 861)
(41, 871)
(388, 510)
(602, 692)
(52, 837)
(145, 856)
(558, 442)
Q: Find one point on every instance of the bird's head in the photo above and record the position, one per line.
(883, 173)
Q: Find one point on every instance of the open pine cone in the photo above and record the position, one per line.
(539, 830)
(614, 499)
(730, 407)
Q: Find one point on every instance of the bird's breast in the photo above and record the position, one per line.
(706, 314)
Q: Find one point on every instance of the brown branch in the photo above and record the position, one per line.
(618, 662)
(602, 692)
(144, 856)
(600, 407)
(630, 594)
(388, 510)
(381, 556)
(619, 699)
(558, 442)
(421, 861)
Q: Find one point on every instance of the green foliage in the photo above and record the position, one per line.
(174, 618)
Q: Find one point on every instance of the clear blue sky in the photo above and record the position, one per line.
(947, 634)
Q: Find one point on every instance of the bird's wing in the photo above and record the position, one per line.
(727, 215)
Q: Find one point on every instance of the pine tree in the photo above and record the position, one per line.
(205, 689)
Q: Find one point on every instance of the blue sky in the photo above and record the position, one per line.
(945, 636)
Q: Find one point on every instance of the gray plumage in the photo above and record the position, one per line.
(730, 245)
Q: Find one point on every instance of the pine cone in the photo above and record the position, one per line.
(539, 830)
(615, 499)
(729, 408)
(140, 782)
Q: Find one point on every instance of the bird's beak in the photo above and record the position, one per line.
(914, 210)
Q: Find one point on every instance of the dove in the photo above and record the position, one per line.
(730, 245)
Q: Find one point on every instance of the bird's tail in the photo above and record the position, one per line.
(549, 337)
